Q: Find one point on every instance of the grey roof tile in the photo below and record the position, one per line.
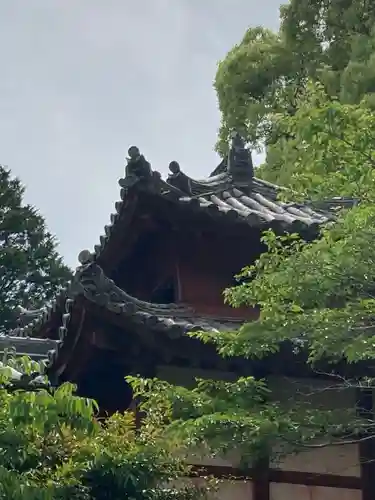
(254, 202)
(90, 282)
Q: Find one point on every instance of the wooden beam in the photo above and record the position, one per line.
(315, 479)
(279, 476)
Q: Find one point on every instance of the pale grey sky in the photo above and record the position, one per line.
(82, 80)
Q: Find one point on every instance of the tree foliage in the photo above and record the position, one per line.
(217, 418)
(306, 93)
(51, 447)
(324, 41)
(316, 298)
(31, 270)
(325, 150)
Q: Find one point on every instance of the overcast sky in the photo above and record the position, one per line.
(83, 80)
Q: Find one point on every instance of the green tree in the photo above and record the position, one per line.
(330, 42)
(316, 298)
(31, 270)
(52, 447)
(325, 150)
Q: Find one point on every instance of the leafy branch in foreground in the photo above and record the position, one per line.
(316, 302)
(219, 417)
(52, 447)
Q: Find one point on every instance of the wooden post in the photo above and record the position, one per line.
(367, 446)
(261, 480)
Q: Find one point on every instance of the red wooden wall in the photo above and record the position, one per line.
(207, 266)
(200, 265)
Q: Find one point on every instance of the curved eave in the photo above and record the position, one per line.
(218, 197)
(171, 320)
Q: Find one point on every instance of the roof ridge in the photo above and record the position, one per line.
(207, 195)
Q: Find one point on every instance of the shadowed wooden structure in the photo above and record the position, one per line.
(171, 248)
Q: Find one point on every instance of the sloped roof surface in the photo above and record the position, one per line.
(90, 282)
(258, 206)
(232, 192)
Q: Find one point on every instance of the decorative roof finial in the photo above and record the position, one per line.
(137, 168)
(240, 163)
(133, 153)
(85, 257)
(174, 167)
(178, 179)
(137, 164)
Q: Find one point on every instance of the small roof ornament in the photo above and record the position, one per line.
(85, 257)
(240, 163)
(137, 165)
(134, 153)
(178, 179)
(137, 168)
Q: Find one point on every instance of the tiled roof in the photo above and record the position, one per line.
(177, 319)
(90, 282)
(258, 206)
(225, 195)
(231, 193)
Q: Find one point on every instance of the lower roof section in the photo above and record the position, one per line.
(93, 293)
(91, 286)
(91, 282)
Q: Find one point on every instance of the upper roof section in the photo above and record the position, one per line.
(231, 189)
(231, 193)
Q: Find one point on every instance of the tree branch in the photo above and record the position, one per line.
(333, 443)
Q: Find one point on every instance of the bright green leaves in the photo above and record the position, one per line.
(242, 419)
(320, 293)
(306, 93)
(52, 447)
(248, 84)
(317, 302)
(265, 75)
(329, 151)
(317, 298)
